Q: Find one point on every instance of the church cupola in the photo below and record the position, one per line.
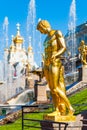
(18, 39)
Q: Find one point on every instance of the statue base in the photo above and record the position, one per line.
(84, 73)
(60, 118)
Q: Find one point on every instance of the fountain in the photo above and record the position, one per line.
(39, 51)
(31, 29)
(5, 29)
(32, 32)
(72, 27)
(72, 38)
(5, 32)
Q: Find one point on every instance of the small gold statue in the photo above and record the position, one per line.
(54, 47)
(83, 51)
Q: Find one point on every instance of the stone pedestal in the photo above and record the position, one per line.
(84, 73)
(80, 74)
(42, 96)
(40, 92)
(48, 125)
(60, 118)
(78, 124)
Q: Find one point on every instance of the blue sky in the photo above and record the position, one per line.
(55, 11)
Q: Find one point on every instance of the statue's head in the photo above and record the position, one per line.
(43, 26)
(82, 43)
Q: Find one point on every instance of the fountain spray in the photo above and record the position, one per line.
(31, 22)
(5, 29)
(71, 28)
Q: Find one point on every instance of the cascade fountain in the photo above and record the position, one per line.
(71, 28)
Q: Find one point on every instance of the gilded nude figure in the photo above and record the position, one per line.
(54, 47)
(83, 52)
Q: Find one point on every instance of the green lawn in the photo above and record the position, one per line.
(79, 101)
(12, 126)
(17, 125)
(79, 98)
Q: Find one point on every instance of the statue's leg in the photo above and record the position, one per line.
(54, 97)
(62, 105)
(55, 87)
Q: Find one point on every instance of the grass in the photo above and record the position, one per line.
(13, 126)
(79, 101)
(17, 125)
(79, 98)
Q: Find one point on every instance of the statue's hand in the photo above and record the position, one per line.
(53, 58)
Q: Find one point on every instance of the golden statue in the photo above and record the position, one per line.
(83, 51)
(54, 47)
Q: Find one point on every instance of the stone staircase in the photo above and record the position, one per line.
(78, 87)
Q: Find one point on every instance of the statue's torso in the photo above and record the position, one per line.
(51, 47)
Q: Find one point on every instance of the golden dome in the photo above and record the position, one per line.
(12, 48)
(30, 48)
(18, 39)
